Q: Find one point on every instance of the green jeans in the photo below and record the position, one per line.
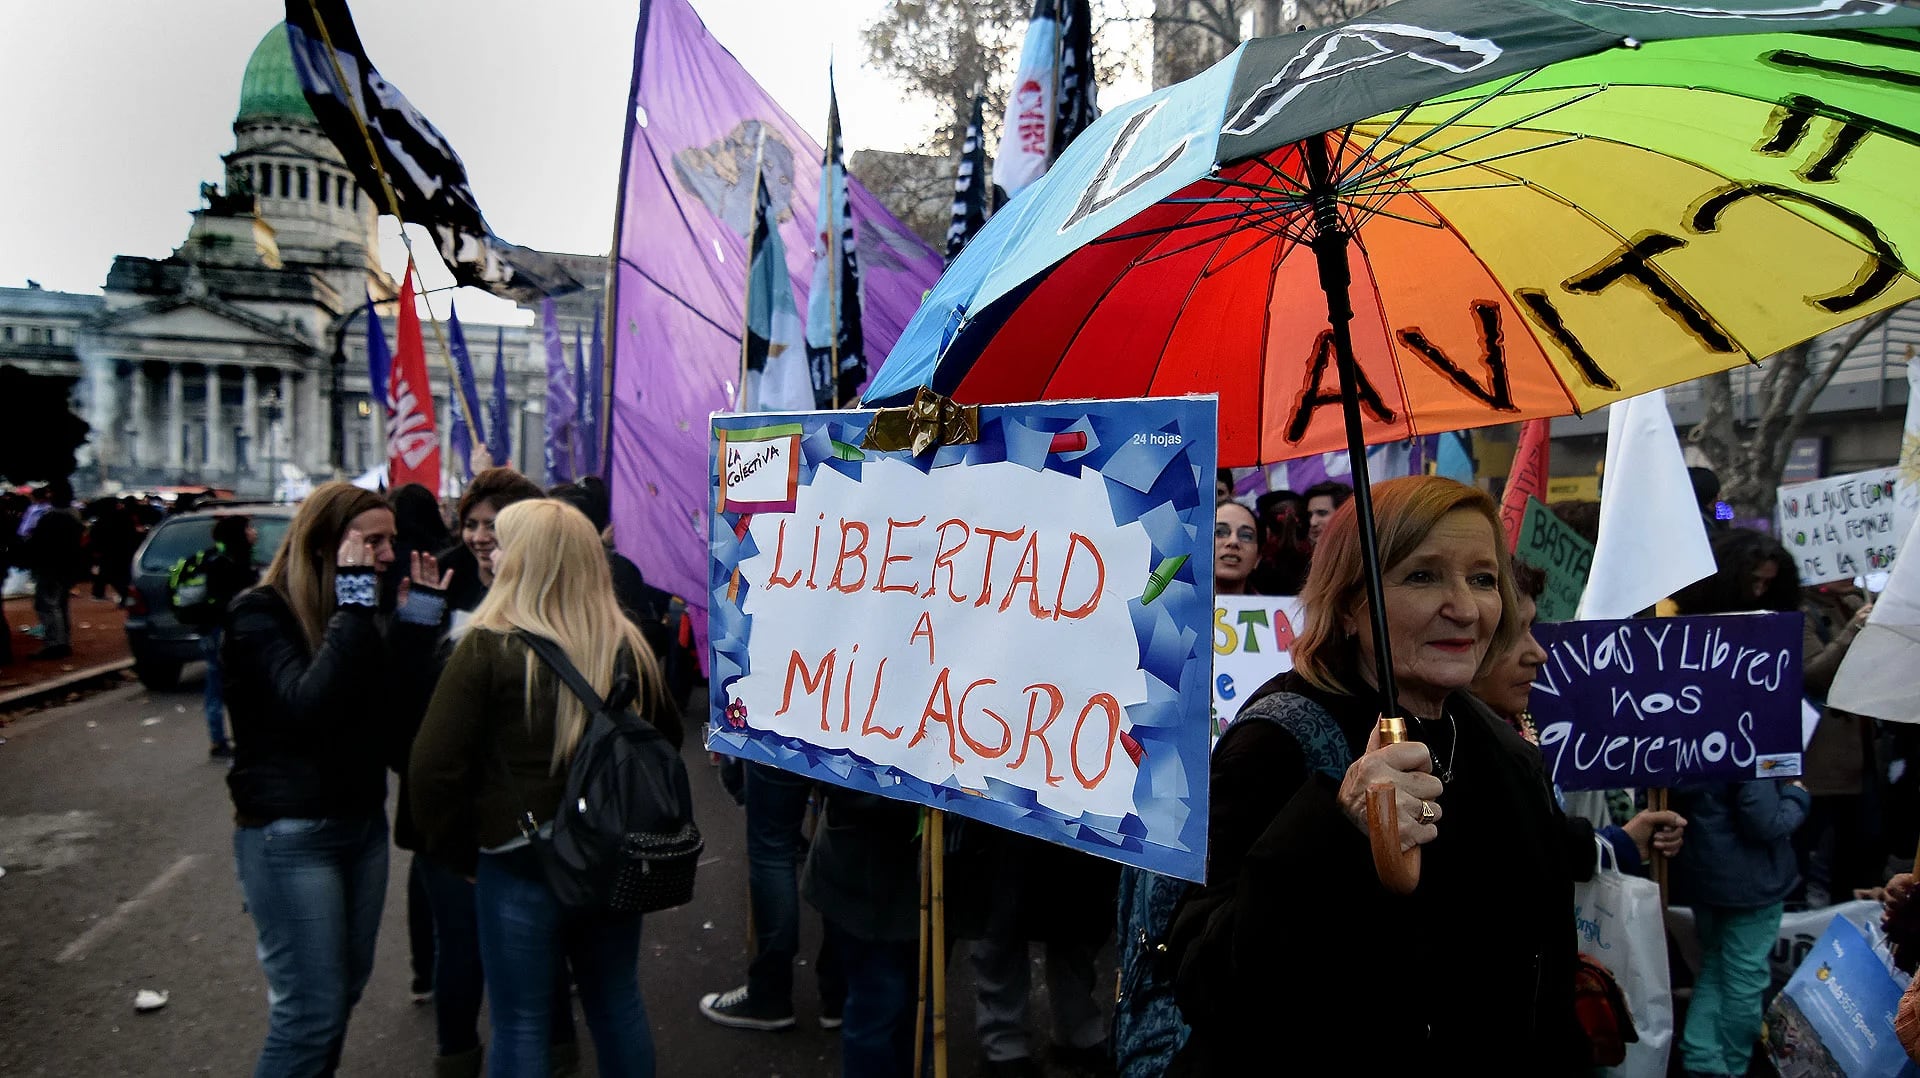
(1723, 1022)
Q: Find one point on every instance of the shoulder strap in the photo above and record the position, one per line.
(1310, 725)
(556, 659)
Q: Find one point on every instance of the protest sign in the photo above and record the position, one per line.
(1665, 701)
(1550, 546)
(1835, 1016)
(1015, 629)
(1844, 526)
(1252, 635)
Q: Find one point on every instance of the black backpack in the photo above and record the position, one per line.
(623, 838)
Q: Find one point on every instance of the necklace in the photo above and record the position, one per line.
(1445, 774)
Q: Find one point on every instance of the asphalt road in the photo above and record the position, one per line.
(116, 841)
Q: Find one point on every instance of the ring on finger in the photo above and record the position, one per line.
(1429, 812)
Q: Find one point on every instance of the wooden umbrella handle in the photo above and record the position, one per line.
(1399, 870)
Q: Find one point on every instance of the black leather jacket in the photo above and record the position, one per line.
(315, 730)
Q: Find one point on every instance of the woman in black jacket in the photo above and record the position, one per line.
(1295, 951)
(310, 669)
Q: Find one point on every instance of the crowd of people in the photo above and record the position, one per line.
(1292, 932)
(56, 546)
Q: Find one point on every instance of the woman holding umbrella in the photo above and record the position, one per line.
(1294, 933)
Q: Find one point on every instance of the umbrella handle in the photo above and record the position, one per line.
(1399, 870)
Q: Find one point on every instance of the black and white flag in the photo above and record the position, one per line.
(836, 338)
(427, 177)
(1078, 103)
(969, 187)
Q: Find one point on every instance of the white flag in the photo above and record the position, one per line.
(1876, 678)
(1026, 139)
(1652, 541)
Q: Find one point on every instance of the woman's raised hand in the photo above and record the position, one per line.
(355, 552)
(1408, 767)
(427, 574)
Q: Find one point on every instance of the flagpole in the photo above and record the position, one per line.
(746, 325)
(612, 301)
(393, 200)
(832, 238)
(834, 254)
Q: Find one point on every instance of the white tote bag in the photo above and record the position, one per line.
(1620, 926)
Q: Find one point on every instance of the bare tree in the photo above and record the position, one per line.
(1748, 458)
(1311, 13)
(1190, 35)
(916, 188)
(945, 51)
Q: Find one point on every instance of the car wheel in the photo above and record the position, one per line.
(158, 676)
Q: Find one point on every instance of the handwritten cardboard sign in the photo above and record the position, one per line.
(1844, 526)
(1016, 630)
(1547, 544)
(1667, 701)
(1252, 635)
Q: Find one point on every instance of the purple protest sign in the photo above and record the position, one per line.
(696, 122)
(1668, 701)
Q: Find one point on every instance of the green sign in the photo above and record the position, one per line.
(1549, 545)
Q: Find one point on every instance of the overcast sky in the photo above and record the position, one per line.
(115, 111)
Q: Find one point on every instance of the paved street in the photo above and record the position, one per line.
(116, 841)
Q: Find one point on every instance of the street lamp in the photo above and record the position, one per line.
(336, 400)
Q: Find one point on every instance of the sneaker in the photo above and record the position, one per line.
(829, 1021)
(421, 992)
(733, 1008)
(224, 751)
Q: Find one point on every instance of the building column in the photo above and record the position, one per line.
(312, 454)
(215, 436)
(283, 441)
(250, 419)
(176, 421)
(138, 422)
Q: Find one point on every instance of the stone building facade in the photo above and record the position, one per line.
(239, 360)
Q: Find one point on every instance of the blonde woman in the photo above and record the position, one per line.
(497, 740)
(314, 678)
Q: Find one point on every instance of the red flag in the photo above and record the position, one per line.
(1529, 477)
(413, 446)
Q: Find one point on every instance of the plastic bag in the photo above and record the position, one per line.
(1620, 926)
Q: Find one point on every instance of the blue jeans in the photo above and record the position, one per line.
(876, 1034)
(776, 807)
(1723, 1022)
(50, 596)
(315, 889)
(215, 699)
(524, 935)
(458, 986)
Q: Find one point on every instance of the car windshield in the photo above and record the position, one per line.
(175, 539)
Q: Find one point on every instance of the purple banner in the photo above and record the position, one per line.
(693, 121)
(1664, 702)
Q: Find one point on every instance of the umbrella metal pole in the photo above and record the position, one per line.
(1336, 280)
(1399, 870)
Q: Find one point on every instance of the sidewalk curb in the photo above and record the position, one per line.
(30, 694)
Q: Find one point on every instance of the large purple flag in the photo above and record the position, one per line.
(694, 116)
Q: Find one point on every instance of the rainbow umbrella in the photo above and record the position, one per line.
(1447, 214)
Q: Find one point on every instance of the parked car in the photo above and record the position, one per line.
(161, 645)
